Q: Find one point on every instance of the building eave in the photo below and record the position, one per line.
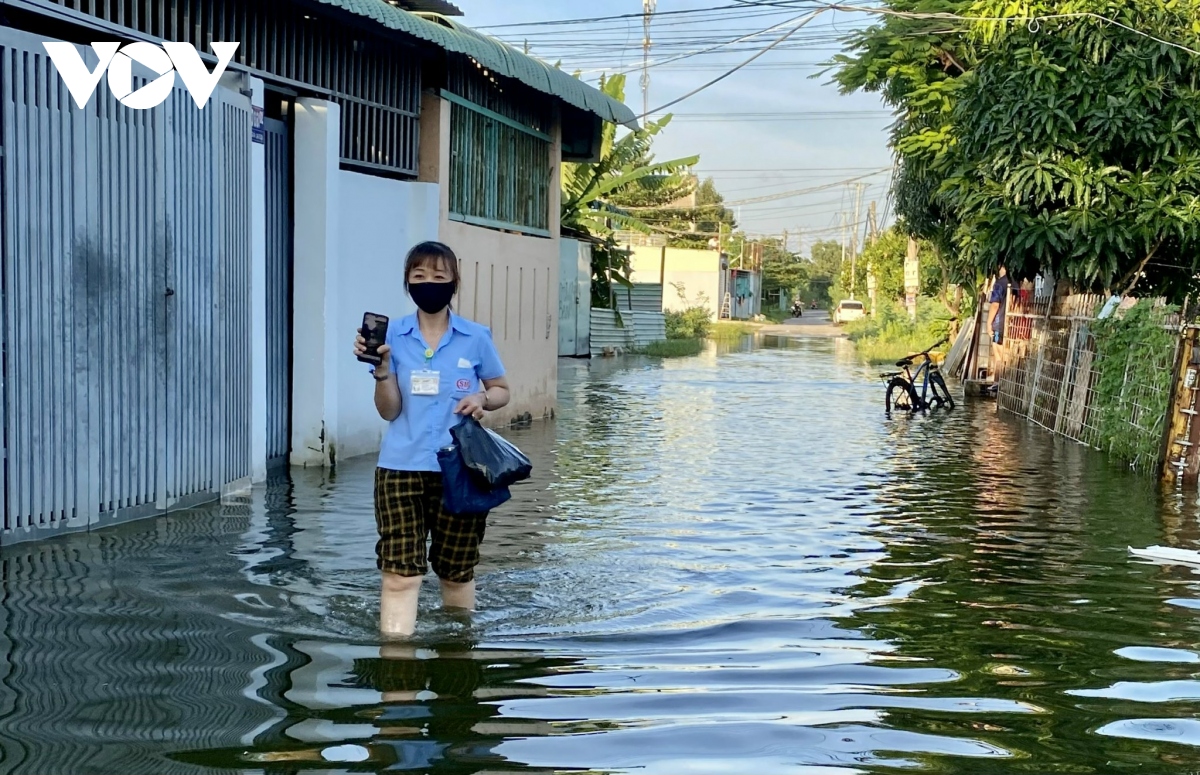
(493, 54)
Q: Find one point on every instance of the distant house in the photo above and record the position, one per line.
(181, 285)
(705, 278)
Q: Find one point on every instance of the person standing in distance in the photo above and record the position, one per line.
(436, 368)
(996, 307)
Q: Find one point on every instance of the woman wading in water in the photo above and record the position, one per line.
(437, 367)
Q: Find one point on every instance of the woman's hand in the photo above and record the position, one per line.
(385, 355)
(472, 405)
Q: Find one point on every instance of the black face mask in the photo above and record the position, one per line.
(432, 297)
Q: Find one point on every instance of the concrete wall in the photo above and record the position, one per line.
(510, 284)
(380, 219)
(698, 271)
(351, 235)
(510, 281)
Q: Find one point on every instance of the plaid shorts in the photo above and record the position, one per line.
(408, 510)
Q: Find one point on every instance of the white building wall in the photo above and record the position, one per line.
(352, 234)
(381, 219)
(315, 293)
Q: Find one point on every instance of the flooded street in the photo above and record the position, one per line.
(725, 564)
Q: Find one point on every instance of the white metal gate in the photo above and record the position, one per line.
(125, 264)
(574, 298)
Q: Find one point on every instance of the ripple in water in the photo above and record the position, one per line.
(726, 563)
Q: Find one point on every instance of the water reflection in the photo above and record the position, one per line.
(725, 563)
(395, 706)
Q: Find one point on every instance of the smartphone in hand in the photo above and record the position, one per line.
(374, 330)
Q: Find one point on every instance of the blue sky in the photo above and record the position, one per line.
(767, 129)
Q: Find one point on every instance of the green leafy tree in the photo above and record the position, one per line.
(916, 66)
(782, 270)
(825, 269)
(1070, 144)
(693, 227)
(1078, 146)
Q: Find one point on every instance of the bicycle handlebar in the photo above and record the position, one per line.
(931, 347)
(938, 344)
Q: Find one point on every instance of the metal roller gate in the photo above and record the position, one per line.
(125, 271)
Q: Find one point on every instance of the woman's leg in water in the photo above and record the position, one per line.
(398, 604)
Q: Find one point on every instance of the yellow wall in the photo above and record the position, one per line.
(697, 271)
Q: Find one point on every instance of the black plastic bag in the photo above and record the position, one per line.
(490, 458)
(460, 492)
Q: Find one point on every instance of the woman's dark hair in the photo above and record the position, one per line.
(429, 255)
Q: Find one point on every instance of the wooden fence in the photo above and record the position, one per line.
(1046, 370)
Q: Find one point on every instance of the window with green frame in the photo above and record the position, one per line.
(500, 165)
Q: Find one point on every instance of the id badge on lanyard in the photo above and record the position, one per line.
(425, 381)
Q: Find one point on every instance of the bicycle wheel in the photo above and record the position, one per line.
(901, 396)
(941, 393)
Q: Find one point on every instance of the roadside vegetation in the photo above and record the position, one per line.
(889, 334)
(674, 348)
(731, 330)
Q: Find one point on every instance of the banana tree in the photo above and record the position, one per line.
(593, 193)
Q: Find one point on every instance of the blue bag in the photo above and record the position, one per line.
(460, 493)
(491, 460)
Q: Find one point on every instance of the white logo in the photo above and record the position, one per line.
(166, 60)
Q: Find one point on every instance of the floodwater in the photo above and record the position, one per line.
(733, 563)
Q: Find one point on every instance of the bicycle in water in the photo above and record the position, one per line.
(902, 393)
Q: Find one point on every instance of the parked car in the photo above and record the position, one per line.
(848, 310)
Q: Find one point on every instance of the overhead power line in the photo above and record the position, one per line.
(768, 197)
(733, 70)
(738, 7)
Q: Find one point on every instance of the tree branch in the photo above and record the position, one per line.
(948, 59)
(1136, 274)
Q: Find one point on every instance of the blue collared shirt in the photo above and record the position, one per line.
(465, 357)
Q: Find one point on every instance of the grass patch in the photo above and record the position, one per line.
(674, 348)
(731, 330)
(776, 315)
(889, 335)
(876, 351)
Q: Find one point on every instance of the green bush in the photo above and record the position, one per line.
(674, 348)
(776, 315)
(890, 335)
(1134, 368)
(731, 330)
(691, 323)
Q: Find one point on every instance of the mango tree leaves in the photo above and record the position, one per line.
(1070, 144)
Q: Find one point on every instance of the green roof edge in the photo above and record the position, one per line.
(493, 54)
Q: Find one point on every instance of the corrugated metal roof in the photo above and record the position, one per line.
(432, 6)
(492, 54)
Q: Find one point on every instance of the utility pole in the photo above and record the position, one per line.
(854, 244)
(785, 241)
(648, 8)
(872, 235)
(845, 226)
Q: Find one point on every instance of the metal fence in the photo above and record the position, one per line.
(500, 170)
(1046, 370)
(376, 81)
(125, 261)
